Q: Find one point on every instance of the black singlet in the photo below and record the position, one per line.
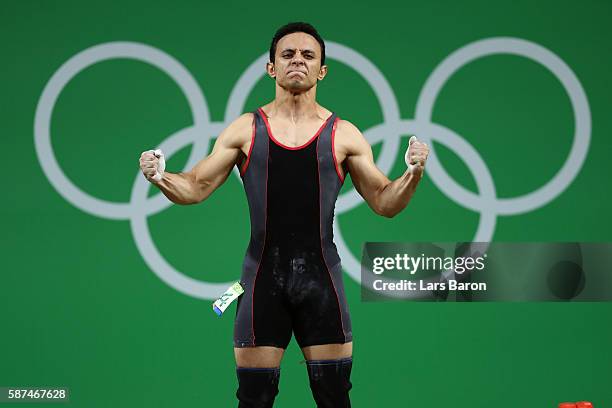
(291, 273)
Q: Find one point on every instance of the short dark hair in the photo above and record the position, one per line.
(297, 27)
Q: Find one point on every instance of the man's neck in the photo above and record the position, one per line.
(295, 107)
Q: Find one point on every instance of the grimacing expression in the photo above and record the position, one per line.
(297, 65)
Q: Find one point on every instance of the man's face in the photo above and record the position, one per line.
(297, 65)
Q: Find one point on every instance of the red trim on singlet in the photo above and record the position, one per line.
(333, 135)
(321, 240)
(246, 163)
(265, 118)
(263, 248)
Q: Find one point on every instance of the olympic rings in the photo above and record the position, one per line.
(486, 202)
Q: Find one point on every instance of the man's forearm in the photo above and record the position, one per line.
(180, 188)
(396, 195)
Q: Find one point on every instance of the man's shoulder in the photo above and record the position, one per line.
(346, 128)
(349, 137)
(244, 120)
(239, 131)
(348, 133)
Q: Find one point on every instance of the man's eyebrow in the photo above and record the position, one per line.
(303, 51)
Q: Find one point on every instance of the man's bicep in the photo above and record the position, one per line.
(366, 176)
(218, 163)
(215, 168)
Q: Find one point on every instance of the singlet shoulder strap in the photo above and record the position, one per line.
(325, 138)
(259, 145)
(327, 152)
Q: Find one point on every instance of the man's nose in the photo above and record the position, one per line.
(297, 59)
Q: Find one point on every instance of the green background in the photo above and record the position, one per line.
(80, 308)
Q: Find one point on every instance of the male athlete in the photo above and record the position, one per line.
(293, 155)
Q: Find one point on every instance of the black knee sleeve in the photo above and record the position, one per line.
(257, 387)
(330, 382)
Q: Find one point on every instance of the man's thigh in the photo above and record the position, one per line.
(258, 357)
(328, 351)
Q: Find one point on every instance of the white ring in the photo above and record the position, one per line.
(72, 67)
(578, 99)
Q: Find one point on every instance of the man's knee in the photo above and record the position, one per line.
(257, 387)
(330, 382)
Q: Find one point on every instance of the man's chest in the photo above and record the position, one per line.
(294, 135)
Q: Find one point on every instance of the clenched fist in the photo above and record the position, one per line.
(416, 156)
(153, 164)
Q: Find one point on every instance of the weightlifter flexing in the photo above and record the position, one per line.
(293, 155)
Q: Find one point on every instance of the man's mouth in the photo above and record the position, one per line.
(296, 72)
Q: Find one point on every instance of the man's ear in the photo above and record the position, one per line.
(322, 72)
(270, 69)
